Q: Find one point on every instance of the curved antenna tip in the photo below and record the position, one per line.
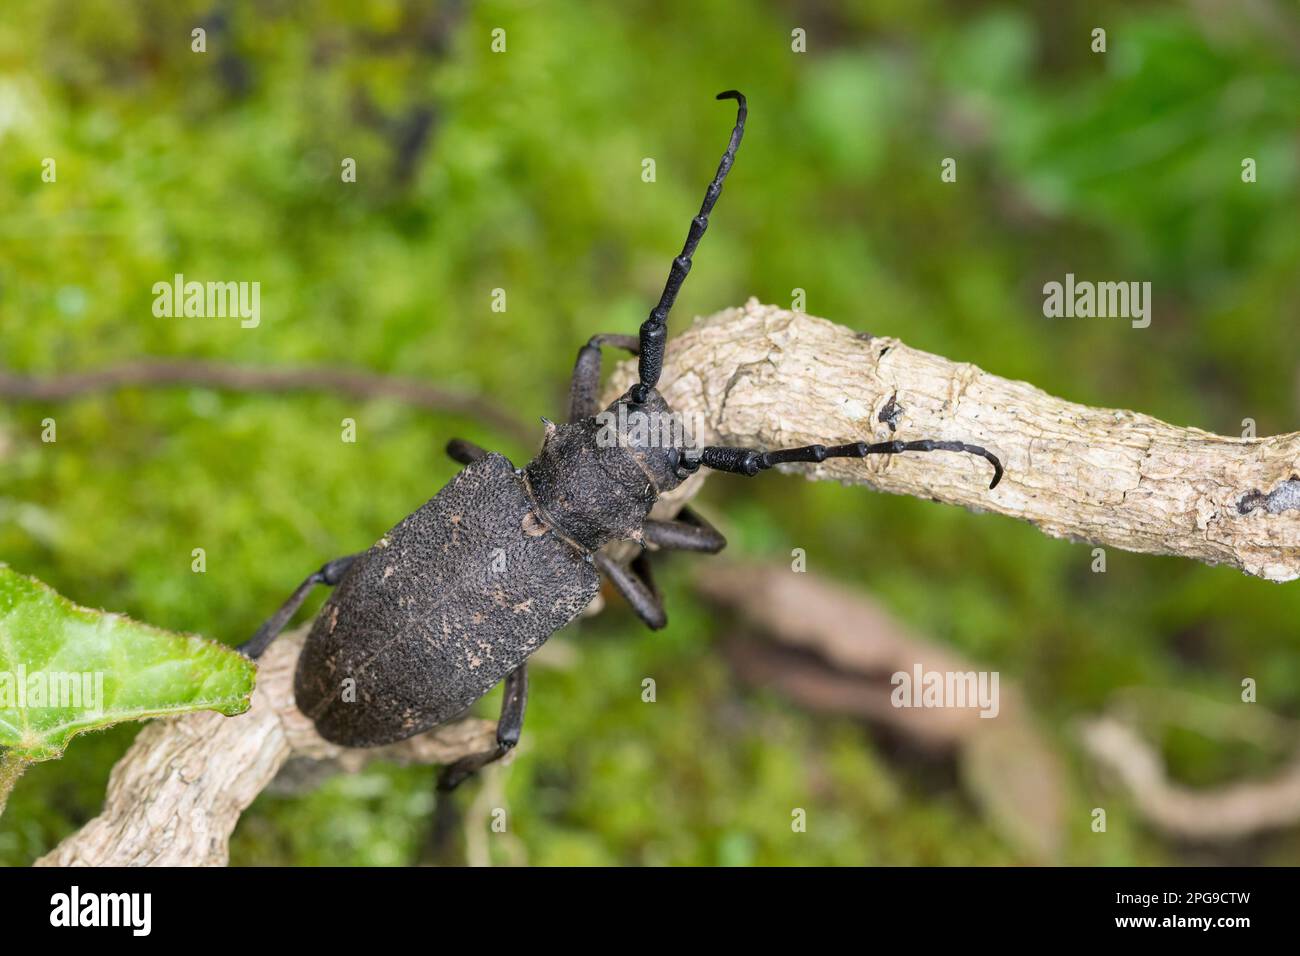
(732, 95)
(997, 472)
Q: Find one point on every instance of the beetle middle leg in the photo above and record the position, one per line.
(633, 580)
(465, 452)
(330, 573)
(509, 726)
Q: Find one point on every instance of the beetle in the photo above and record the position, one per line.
(457, 596)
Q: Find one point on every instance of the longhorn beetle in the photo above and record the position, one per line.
(458, 595)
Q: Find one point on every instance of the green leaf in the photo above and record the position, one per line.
(66, 669)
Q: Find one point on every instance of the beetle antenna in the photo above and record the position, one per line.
(750, 461)
(654, 330)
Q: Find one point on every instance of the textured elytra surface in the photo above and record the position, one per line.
(436, 613)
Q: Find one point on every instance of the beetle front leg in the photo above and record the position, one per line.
(689, 532)
(509, 727)
(586, 373)
(635, 583)
(330, 573)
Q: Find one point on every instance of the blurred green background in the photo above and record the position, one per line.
(522, 171)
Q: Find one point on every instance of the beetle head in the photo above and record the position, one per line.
(598, 478)
(651, 433)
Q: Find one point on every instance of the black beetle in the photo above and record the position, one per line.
(459, 594)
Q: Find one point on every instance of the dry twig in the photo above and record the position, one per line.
(237, 378)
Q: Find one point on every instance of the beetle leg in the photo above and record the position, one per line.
(637, 586)
(509, 726)
(586, 373)
(465, 452)
(330, 573)
(689, 532)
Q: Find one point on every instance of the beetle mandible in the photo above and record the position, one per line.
(456, 596)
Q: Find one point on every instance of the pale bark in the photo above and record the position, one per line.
(765, 377)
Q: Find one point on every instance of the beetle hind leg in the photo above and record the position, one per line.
(509, 727)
